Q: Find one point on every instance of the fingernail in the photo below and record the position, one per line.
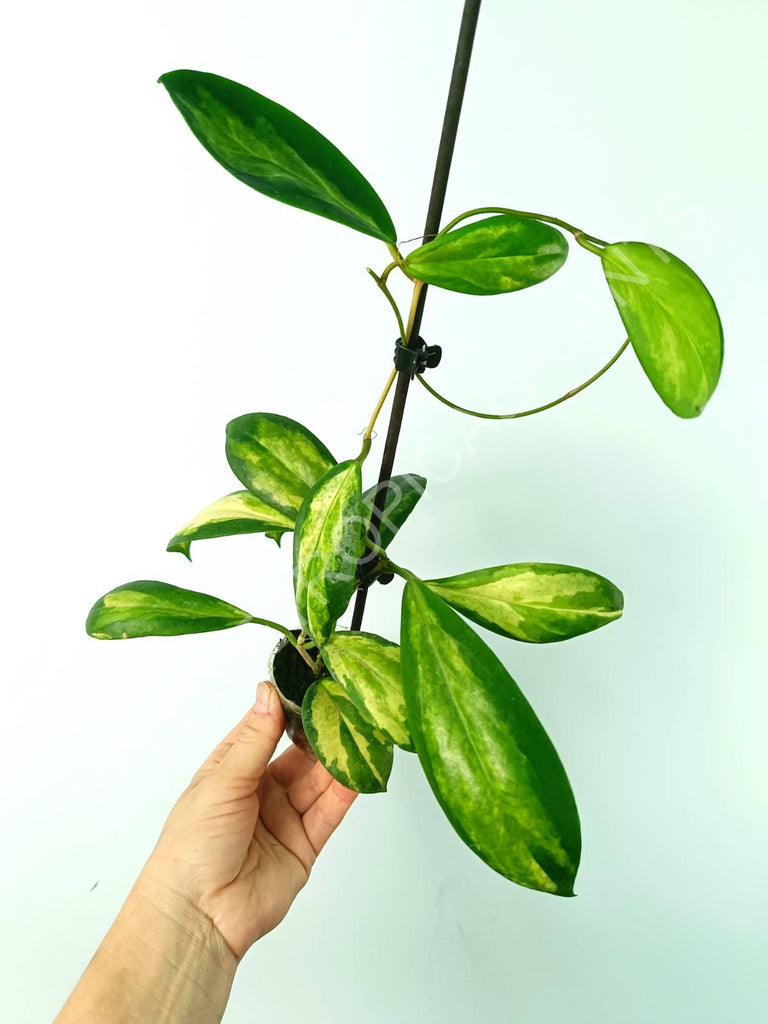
(263, 698)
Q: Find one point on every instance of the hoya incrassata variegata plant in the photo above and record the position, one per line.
(442, 693)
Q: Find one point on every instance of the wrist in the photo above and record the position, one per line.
(186, 966)
(162, 961)
(177, 928)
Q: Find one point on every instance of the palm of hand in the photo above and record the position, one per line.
(244, 836)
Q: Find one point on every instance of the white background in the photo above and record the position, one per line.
(149, 298)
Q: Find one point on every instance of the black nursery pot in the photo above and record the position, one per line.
(292, 677)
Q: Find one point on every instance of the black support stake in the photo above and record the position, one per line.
(432, 226)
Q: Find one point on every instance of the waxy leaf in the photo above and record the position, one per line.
(671, 320)
(275, 152)
(345, 742)
(537, 602)
(367, 667)
(276, 458)
(487, 757)
(403, 493)
(149, 608)
(328, 542)
(240, 512)
(498, 254)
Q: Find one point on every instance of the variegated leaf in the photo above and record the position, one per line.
(537, 602)
(276, 458)
(487, 757)
(403, 493)
(490, 256)
(350, 748)
(276, 152)
(151, 608)
(239, 512)
(367, 667)
(328, 542)
(671, 320)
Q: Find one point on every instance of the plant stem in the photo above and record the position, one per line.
(577, 233)
(382, 399)
(581, 238)
(275, 625)
(388, 564)
(395, 253)
(298, 644)
(398, 570)
(381, 282)
(415, 312)
(453, 106)
(525, 412)
(375, 548)
(301, 648)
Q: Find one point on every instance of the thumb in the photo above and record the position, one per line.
(255, 743)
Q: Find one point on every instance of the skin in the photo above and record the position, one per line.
(235, 851)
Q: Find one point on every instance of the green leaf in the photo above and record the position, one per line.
(240, 512)
(490, 256)
(367, 667)
(537, 602)
(276, 458)
(403, 493)
(671, 320)
(328, 542)
(275, 152)
(349, 747)
(488, 759)
(149, 608)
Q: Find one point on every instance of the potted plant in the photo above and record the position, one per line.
(441, 693)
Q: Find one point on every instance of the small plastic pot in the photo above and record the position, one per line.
(292, 677)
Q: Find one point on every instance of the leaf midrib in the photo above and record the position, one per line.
(446, 689)
(312, 176)
(162, 609)
(480, 259)
(352, 732)
(315, 543)
(543, 606)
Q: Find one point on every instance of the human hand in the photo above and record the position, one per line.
(242, 838)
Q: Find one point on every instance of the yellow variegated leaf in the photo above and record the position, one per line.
(239, 512)
(328, 542)
(351, 749)
(276, 152)
(671, 320)
(491, 256)
(367, 667)
(487, 757)
(276, 458)
(151, 608)
(537, 602)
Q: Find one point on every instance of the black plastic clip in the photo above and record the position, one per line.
(416, 358)
(369, 571)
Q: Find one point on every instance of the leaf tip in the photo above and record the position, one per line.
(168, 76)
(618, 601)
(689, 414)
(181, 546)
